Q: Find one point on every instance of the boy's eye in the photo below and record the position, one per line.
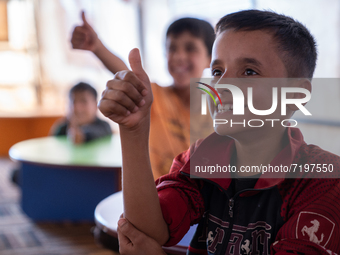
(249, 72)
(216, 72)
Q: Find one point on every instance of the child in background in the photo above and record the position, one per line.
(81, 123)
(188, 51)
(258, 215)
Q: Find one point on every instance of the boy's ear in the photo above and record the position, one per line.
(300, 83)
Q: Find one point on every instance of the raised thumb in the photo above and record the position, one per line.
(136, 65)
(84, 19)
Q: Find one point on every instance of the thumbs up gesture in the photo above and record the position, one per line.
(84, 37)
(128, 97)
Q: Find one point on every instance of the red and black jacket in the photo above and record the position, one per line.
(280, 215)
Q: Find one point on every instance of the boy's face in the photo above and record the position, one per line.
(246, 54)
(82, 108)
(187, 58)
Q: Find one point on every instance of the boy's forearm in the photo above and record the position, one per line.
(113, 63)
(141, 203)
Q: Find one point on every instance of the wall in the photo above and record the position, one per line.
(16, 129)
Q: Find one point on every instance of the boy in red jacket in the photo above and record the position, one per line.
(257, 215)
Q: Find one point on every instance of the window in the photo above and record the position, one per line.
(37, 63)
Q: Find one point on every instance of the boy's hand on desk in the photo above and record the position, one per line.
(128, 97)
(74, 132)
(75, 135)
(84, 37)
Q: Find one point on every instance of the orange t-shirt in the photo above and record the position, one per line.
(169, 129)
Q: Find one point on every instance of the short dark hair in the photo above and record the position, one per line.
(81, 87)
(295, 42)
(197, 27)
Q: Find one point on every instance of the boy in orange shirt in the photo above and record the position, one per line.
(188, 51)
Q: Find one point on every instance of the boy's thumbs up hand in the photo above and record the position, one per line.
(128, 97)
(84, 37)
(136, 66)
(85, 23)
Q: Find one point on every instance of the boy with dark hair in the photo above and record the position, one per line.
(82, 124)
(296, 46)
(198, 28)
(261, 214)
(188, 51)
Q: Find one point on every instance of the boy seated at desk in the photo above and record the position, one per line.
(81, 123)
(257, 215)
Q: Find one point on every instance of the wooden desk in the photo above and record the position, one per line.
(107, 214)
(62, 181)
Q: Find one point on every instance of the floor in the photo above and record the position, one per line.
(21, 236)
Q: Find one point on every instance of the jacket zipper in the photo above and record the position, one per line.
(231, 200)
(231, 207)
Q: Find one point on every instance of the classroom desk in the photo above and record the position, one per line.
(107, 214)
(62, 181)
